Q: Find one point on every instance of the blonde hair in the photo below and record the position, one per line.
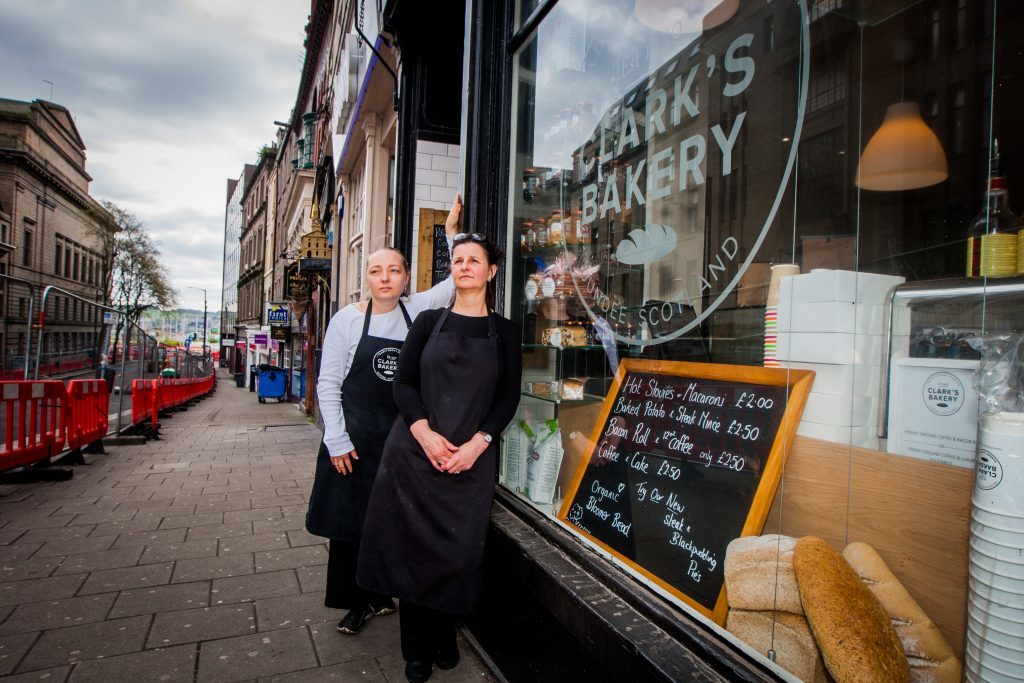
(405, 261)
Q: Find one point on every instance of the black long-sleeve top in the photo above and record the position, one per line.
(506, 395)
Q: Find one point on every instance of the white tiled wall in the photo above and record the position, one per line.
(437, 180)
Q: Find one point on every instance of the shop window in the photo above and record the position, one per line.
(697, 206)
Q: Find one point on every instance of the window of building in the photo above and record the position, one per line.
(935, 35)
(958, 120)
(961, 24)
(67, 262)
(26, 248)
(74, 270)
(827, 87)
(58, 250)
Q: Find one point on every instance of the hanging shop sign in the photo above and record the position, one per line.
(685, 458)
(260, 339)
(281, 334)
(298, 285)
(278, 314)
(659, 147)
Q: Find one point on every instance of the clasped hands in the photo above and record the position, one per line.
(442, 454)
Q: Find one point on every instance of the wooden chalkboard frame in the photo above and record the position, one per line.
(430, 220)
(798, 383)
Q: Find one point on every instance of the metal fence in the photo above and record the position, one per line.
(53, 333)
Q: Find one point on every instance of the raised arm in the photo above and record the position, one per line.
(440, 295)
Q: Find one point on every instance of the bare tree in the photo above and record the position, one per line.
(138, 278)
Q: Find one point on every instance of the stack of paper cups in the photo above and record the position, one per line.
(1020, 252)
(995, 590)
(771, 311)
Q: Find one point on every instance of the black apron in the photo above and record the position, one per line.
(337, 503)
(423, 540)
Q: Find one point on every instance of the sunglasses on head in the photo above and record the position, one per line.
(471, 236)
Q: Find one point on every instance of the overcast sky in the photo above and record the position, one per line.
(171, 97)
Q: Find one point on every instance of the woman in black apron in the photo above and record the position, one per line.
(360, 357)
(457, 388)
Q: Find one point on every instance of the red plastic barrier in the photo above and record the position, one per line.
(144, 401)
(35, 418)
(89, 400)
(150, 396)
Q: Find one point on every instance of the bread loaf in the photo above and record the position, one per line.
(853, 631)
(785, 633)
(930, 657)
(759, 574)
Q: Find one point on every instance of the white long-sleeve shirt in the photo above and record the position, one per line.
(340, 342)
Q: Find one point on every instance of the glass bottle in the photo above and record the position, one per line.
(527, 239)
(540, 230)
(555, 231)
(992, 237)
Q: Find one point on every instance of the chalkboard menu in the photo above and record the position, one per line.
(686, 457)
(440, 259)
(433, 260)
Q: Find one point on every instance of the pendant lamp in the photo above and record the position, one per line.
(903, 154)
(684, 16)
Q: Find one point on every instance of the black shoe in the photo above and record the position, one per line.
(355, 620)
(417, 672)
(447, 659)
(383, 608)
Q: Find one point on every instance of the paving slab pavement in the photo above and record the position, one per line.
(185, 559)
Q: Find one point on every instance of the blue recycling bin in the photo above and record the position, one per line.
(270, 383)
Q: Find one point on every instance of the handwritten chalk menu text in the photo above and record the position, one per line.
(685, 458)
(440, 259)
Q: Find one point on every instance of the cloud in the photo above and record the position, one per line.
(171, 98)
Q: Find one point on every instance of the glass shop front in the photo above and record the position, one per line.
(770, 277)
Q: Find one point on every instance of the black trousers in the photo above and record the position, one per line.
(425, 632)
(342, 590)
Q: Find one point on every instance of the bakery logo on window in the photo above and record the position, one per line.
(943, 393)
(646, 170)
(385, 363)
(989, 471)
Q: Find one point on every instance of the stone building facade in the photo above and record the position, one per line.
(52, 235)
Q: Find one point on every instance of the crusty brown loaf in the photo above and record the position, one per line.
(795, 649)
(759, 574)
(931, 658)
(857, 641)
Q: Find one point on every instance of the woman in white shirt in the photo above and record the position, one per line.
(360, 356)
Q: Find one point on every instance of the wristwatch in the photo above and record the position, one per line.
(487, 437)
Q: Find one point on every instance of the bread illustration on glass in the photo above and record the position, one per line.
(645, 245)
